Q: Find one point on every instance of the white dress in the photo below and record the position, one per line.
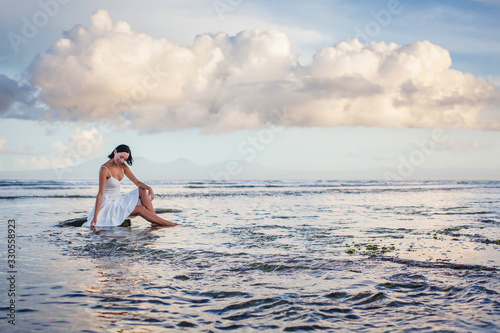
(115, 208)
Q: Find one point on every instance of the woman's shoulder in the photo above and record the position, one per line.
(104, 168)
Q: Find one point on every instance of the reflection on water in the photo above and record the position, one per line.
(274, 256)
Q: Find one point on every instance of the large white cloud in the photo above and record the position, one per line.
(224, 83)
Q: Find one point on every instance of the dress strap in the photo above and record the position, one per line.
(108, 170)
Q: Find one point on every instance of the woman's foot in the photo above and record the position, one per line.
(170, 224)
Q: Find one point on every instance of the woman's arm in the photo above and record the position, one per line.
(136, 181)
(100, 194)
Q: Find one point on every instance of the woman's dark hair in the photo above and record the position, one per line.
(123, 149)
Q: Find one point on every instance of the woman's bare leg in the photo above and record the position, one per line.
(151, 216)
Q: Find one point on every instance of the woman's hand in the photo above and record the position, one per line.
(93, 222)
(151, 194)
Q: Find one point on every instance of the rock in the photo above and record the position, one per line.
(78, 222)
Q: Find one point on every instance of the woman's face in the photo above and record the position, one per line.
(120, 158)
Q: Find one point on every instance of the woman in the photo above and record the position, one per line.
(111, 208)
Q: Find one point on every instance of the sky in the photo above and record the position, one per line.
(292, 85)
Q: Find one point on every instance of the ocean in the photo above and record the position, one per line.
(249, 256)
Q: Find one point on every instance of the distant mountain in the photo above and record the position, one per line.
(183, 169)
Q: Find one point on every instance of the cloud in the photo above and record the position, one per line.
(463, 145)
(16, 99)
(223, 83)
(4, 150)
(82, 145)
(32, 163)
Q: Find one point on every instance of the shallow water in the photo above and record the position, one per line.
(259, 256)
